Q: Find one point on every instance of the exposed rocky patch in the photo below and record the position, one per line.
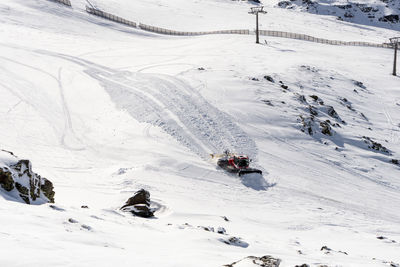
(20, 183)
(139, 204)
(264, 261)
(373, 145)
(384, 13)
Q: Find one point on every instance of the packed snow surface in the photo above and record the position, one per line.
(103, 110)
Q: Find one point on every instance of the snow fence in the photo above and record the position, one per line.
(100, 13)
(319, 40)
(182, 33)
(290, 35)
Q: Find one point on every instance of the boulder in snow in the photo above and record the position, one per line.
(139, 204)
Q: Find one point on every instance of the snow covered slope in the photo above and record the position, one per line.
(103, 110)
(380, 13)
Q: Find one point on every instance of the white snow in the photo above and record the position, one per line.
(103, 110)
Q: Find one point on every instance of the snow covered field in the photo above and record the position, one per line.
(102, 110)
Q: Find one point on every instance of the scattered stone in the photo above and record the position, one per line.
(86, 227)
(235, 241)
(268, 102)
(381, 237)
(375, 145)
(359, 84)
(84, 207)
(221, 230)
(225, 218)
(264, 261)
(254, 79)
(326, 249)
(201, 68)
(72, 220)
(139, 204)
(269, 78)
(300, 252)
(207, 228)
(303, 265)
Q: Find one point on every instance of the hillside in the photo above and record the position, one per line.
(103, 110)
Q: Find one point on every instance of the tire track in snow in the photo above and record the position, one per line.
(68, 129)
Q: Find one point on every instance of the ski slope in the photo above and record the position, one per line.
(102, 110)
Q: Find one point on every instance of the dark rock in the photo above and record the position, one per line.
(393, 18)
(6, 180)
(332, 112)
(48, 189)
(141, 210)
(284, 4)
(70, 220)
(254, 79)
(359, 84)
(381, 237)
(325, 248)
(201, 68)
(84, 207)
(284, 86)
(86, 227)
(221, 230)
(303, 265)
(325, 128)
(207, 228)
(269, 78)
(314, 97)
(140, 197)
(225, 218)
(395, 161)
(139, 204)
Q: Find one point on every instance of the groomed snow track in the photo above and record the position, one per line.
(171, 104)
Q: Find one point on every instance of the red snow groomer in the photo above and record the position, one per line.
(235, 163)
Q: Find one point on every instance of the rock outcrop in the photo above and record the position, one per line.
(20, 183)
(139, 204)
